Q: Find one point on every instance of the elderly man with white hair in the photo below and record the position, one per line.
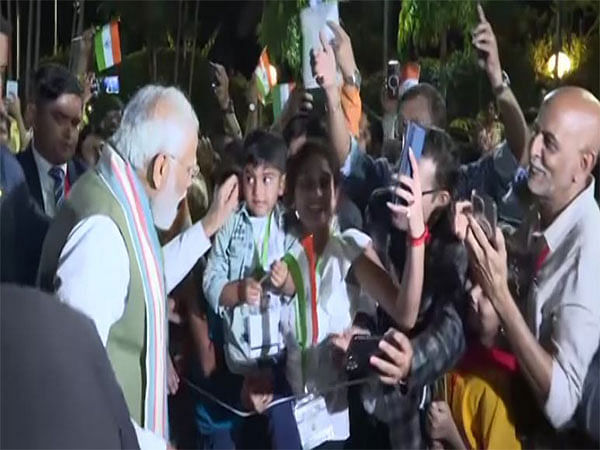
(102, 256)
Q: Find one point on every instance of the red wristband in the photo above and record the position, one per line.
(423, 239)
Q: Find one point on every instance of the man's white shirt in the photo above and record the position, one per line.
(93, 270)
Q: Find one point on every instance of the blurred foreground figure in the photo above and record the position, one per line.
(58, 388)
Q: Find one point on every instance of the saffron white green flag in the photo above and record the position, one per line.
(281, 94)
(265, 79)
(107, 46)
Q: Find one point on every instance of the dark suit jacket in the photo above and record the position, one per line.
(74, 170)
(23, 225)
(58, 387)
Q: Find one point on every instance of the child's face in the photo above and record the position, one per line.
(482, 317)
(314, 194)
(262, 186)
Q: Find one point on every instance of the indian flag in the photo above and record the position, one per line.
(107, 46)
(281, 94)
(266, 76)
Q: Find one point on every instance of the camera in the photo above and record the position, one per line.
(393, 78)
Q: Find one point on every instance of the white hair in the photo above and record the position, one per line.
(155, 121)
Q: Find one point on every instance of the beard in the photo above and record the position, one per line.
(164, 205)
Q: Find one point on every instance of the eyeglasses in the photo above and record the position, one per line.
(192, 171)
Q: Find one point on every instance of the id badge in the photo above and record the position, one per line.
(313, 421)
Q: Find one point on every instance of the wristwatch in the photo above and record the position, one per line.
(251, 107)
(354, 80)
(229, 108)
(503, 86)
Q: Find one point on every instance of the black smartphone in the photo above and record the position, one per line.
(318, 102)
(392, 82)
(360, 350)
(485, 212)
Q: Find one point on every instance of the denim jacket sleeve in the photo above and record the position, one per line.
(362, 174)
(216, 273)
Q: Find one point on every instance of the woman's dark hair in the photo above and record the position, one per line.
(299, 125)
(311, 147)
(265, 147)
(83, 134)
(440, 148)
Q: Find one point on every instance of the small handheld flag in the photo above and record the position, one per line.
(265, 80)
(281, 94)
(107, 46)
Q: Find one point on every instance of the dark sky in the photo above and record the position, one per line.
(236, 45)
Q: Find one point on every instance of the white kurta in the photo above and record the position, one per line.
(337, 303)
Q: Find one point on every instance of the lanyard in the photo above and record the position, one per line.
(308, 244)
(263, 256)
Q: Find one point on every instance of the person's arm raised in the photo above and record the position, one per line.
(403, 303)
(511, 114)
(324, 69)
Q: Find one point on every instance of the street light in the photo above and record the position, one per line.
(564, 65)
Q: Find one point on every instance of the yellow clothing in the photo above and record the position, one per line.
(15, 137)
(477, 403)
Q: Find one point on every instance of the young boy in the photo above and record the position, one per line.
(246, 283)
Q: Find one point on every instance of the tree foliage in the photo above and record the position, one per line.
(279, 30)
(424, 23)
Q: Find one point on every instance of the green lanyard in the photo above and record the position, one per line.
(263, 257)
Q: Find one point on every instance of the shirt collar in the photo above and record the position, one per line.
(277, 212)
(43, 164)
(565, 221)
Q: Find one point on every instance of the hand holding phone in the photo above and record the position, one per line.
(359, 353)
(485, 212)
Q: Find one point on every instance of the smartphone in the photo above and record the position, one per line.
(414, 138)
(393, 78)
(485, 212)
(360, 350)
(318, 102)
(12, 88)
(110, 84)
(214, 80)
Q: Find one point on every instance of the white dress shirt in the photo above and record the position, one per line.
(93, 269)
(564, 303)
(46, 181)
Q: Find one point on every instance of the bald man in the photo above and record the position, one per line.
(558, 334)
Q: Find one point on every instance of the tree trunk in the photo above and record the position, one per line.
(80, 22)
(193, 59)
(28, 55)
(177, 42)
(443, 57)
(74, 21)
(13, 39)
(38, 31)
(154, 64)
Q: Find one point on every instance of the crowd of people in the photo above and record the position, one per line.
(285, 286)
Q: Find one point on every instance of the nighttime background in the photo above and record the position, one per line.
(234, 32)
